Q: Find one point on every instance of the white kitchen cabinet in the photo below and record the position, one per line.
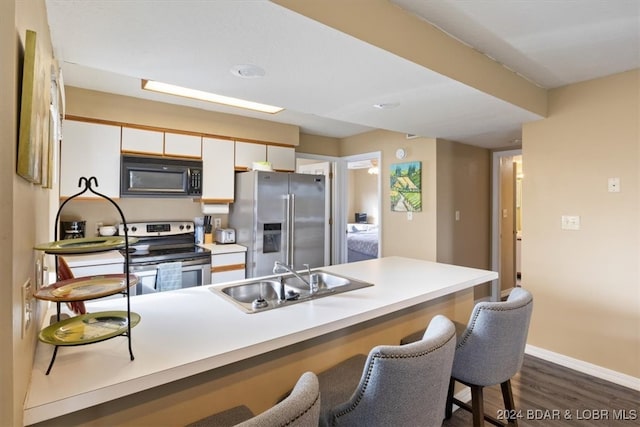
(281, 158)
(142, 141)
(86, 150)
(217, 170)
(181, 145)
(249, 152)
(227, 267)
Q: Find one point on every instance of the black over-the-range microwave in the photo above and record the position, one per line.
(160, 177)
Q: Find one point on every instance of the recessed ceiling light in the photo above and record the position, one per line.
(247, 71)
(208, 96)
(386, 105)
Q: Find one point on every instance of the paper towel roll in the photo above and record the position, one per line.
(215, 208)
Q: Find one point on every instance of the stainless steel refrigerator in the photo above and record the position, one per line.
(279, 216)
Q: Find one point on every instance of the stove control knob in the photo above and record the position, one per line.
(134, 228)
(181, 227)
(188, 227)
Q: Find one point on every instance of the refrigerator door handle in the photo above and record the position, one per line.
(292, 229)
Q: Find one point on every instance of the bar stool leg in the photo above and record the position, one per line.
(477, 406)
(507, 397)
(448, 411)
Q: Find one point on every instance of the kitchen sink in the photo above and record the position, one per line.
(254, 296)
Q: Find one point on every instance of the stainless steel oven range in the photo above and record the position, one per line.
(165, 257)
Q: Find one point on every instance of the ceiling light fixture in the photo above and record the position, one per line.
(208, 96)
(386, 105)
(247, 71)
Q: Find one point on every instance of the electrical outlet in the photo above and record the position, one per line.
(27, 306)
(217, 223)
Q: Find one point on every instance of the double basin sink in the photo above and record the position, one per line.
(256, 295)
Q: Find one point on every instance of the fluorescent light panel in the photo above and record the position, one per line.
(207, 96)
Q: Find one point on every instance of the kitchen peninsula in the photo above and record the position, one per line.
(196, 353)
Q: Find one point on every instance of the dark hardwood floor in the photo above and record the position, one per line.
(547, 394)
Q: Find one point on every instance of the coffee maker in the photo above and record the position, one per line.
(72, 229)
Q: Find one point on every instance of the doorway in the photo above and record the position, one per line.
(506, 239)
(362, 207)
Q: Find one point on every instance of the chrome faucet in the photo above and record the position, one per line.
(279, 268)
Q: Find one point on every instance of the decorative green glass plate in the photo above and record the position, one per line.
(84, 245)
(88, 328)
(84, 288)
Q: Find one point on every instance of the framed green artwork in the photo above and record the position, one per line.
(406, 187)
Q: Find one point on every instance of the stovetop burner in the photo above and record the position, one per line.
(167, 254)
(163, 242)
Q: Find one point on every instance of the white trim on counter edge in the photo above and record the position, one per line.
(585, 367)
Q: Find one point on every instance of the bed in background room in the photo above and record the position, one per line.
(362, 242)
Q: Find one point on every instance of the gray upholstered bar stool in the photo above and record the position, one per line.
(491, 351)
(393, 385)
(301, 408)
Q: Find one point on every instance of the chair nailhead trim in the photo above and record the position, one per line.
(303, 412)
(467, 333)
(370, 368)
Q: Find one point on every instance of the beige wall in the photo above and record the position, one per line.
(322, 145)
(585, 283)
(8, 293)
(463, 186)
(25, 209)
(414, 238)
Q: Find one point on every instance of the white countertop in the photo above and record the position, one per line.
(217, 248)
(186, 319)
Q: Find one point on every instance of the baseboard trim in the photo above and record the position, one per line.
(585, 367)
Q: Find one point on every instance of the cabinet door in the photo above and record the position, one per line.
(249, 152)
(227, 267)
(90, 149)
(179, 145)
(142, 141)
(217, 170)
(282, 158)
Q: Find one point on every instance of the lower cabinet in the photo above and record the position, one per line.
(227, 267)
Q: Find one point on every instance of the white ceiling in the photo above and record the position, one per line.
(327, 81)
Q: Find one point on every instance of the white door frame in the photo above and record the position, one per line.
(495, 217)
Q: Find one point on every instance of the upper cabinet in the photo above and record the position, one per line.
(281, 158)
(249, 152)
(217, 170)
(179, 145)
(90, 149)
(141, 141)
(158, 143)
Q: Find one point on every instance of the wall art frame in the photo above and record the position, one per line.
(406, 187)
(34, 115)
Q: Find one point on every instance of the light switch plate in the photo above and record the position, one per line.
(570, 222)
